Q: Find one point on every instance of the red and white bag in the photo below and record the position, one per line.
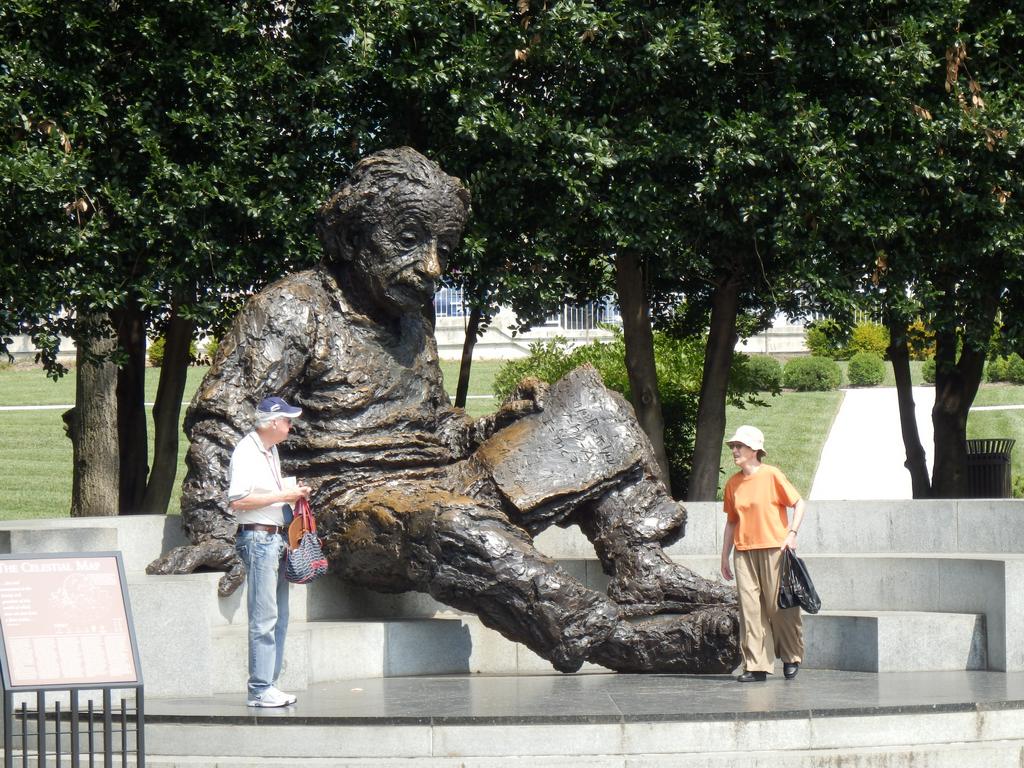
(305, 561)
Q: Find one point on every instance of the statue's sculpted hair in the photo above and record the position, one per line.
(362, 200)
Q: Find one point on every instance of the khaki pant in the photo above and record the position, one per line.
(766, 631)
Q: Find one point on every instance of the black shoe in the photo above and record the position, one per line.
(752, 677)
(790, 670)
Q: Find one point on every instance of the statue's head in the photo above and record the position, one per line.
(394, 222)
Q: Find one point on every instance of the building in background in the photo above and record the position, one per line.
(577, 325)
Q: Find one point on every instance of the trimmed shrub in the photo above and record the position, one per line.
(824, 338)
(920, 341)
(928, 371)
(868, 337)
(210, 349)
(759, 373)
(1015, 369)
(866, 370)
(996, 370)
(811, 374)
(548, 360)
(155, 352)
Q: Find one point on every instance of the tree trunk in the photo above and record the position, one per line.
(718, 356)
(167, 414)
(916, 463)
(956, 384)
(955, 388)
(639, 340)
(92, 428)
(466, 365)
(131, 409)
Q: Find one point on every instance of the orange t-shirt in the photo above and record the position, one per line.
(757, 505)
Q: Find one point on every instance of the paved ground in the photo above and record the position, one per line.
(603, 698)
(864, 454)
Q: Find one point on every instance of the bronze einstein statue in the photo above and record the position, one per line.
(412, 494)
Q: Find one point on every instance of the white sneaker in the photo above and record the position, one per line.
(272, 697)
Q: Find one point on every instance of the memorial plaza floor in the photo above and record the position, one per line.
(613, 698)
(820, 718)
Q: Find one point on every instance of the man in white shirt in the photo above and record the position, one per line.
(260, 499)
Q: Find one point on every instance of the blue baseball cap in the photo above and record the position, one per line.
(275, 406)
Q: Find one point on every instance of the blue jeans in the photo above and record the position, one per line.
(267, 604)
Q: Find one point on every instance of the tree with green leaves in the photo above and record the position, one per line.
(935, 104)
(163, 160)
(764, 155)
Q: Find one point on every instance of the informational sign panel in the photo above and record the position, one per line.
(65, 621)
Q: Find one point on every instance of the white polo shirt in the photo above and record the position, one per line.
(254, 469)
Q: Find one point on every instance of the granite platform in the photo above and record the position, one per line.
(821, 718)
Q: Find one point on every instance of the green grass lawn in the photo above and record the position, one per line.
(795, 426)
(35, 455)
(999, 394)
(481, 379)
(35, 459)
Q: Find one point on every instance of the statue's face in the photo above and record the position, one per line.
(402, 256)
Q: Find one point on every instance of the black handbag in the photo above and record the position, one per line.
(795, 585)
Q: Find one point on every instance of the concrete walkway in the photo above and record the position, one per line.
(864, 454)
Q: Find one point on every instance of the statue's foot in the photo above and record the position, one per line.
(703, 642)
(579, 637)
(657, 585)
(215, 554)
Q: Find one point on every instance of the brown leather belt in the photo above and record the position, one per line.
(260, 527)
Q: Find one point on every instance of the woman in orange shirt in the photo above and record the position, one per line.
(756, 500)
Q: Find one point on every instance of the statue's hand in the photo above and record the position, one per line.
(528, 397)
(216, 554)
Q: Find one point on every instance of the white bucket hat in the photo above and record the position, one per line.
(752, 437)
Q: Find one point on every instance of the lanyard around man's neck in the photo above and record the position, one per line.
(269, 455)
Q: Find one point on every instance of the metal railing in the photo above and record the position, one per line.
(586, 317)
(449, 302)
(74, 736)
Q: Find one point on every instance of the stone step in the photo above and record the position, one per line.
(329, 651)
(881, 737)
(182, 614)
(895, 641)
(937, 739)
(1002, 754)
(861, 582)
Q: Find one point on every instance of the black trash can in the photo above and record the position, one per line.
(988, 468)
